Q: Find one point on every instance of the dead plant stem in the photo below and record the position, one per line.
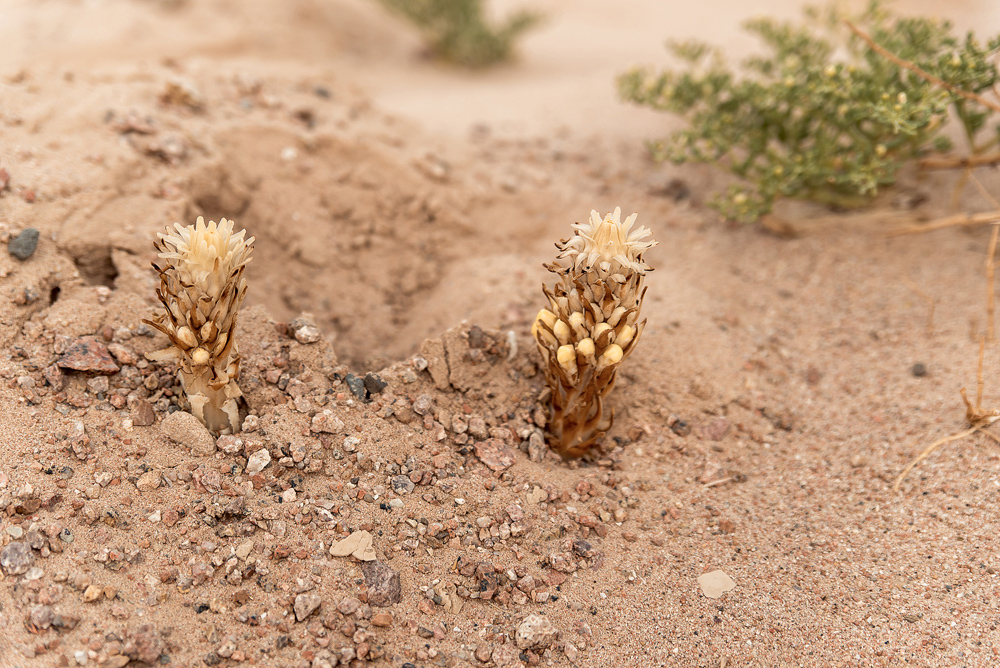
(960, 162)
(990, 271)
(928, 450)
(956, 220)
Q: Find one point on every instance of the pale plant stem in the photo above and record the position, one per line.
(927, 451)
(990, 271)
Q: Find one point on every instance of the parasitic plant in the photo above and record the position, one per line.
(202, 288)
(591, 325)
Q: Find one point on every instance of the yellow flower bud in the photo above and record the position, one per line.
(186, 337)
(547, 316)
(578, 323)
(625, 336)
(599, 329)
(566, 356)
(200, 356)
(612, 356)
(561, 330)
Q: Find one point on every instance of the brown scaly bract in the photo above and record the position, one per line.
(591, 326)
(202, 288)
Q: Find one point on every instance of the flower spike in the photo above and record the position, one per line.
(590, 326)
(201, 289)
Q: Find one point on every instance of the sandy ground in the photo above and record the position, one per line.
(779, 389)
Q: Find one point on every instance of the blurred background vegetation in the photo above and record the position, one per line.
(460, 32)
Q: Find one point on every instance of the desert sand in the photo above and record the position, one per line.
(402, 211)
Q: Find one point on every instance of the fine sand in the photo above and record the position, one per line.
(780, 387)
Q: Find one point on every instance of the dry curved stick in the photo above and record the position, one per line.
(990, 301)
(956, 220)
(977, 417)
(960, 162)
(928, 450)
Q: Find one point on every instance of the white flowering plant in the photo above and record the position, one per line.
(201, 289)
(590, 326)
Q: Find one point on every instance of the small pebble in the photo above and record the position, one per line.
(16, 558)
(357, 386)
(88, 354)
(382, 582)
(383, 619)
(257, 461)
(401, 484)
(305, 605)
(187, 430)
(919, 370)
(535, 632)
(374, 384)
(243, 551)
(23, 245)
(148, 481)
(495, 454)
(307, 334)
(142, 414)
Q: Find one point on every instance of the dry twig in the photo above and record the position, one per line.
(960, 162)
(990, 301)
(956, 220)
(927, 451)
(976, 416)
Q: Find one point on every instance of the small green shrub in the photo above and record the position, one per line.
(820, 116)
(457, 30)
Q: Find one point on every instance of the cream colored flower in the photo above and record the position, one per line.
(201, 289)
(607, 244)
(205, 255)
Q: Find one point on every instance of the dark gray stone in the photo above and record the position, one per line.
(357, 386)
(23, 245)
(374, 384)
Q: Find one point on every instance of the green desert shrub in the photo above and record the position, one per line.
(459, 31)
(820, 115)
